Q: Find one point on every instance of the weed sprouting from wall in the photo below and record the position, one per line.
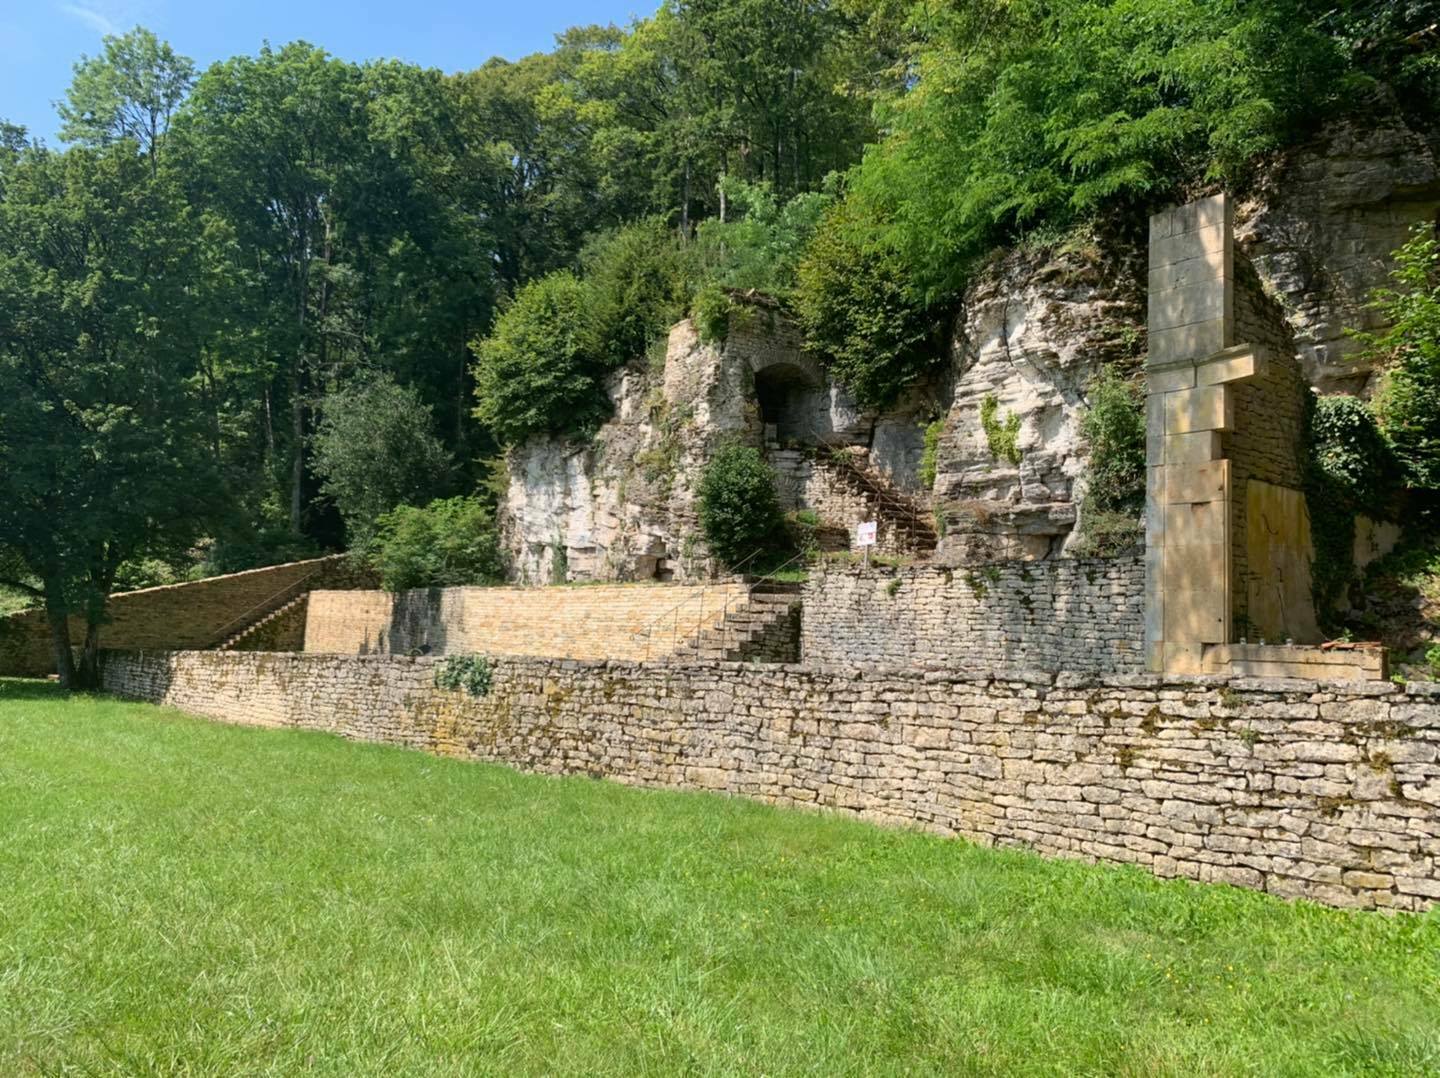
(469, 672)
(1002, 435)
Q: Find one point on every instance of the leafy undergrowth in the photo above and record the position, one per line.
(1399, 605)
(179, 896)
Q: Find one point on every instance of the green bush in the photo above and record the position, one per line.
(1351, 470)
(448, 542)
(711, 311)
(739, 509)
(375, 449)
(858, 309)
(533, 374)
(1113, 427)
(760, 243)
(1024, 114)
(639, 280)
(1408, 401)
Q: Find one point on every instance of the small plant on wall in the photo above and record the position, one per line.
(1002, 435)
(1113, 427)
(469, 672)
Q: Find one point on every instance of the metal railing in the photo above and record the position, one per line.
(672, 617)
(262, 609)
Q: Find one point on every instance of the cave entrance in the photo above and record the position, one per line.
(787, 395)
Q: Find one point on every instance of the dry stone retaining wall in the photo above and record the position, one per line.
(1068, 614)
(1321, 790)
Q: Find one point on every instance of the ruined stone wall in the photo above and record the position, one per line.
(190, 615)
(1270, 541)
(1068, 614)
(593, 622)
(1326, 791)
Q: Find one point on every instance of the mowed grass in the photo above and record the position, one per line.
(182, 897)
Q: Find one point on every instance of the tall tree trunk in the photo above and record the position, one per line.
(87, 675)
(58, 617)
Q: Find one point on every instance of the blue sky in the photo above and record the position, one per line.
(40, 40)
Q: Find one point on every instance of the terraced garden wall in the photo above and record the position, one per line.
(1322, 790)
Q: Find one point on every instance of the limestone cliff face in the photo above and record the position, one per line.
(1320, 229)
(1033, 330)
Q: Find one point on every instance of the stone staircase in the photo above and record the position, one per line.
(281, 629)
(898, 514)
(764, 627)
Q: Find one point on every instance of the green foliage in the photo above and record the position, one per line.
(711, 310)
(1001, 435)
(1408, 400)
(1027, 113)
(934, 431)
(1113, 427)
(376, 449)
(132, 90)
(739, 509)
(1351, 470)
(448, 542)
(638, 279)
(856, 303)
(1106, 533)
(532, 374)
(469, 672)
(760, 243)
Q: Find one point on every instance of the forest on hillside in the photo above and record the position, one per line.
(292, 303)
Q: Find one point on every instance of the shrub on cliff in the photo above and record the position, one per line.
(1408, 401)
(639, 279)
(1113, 427)
(449, 542)
(532, 373)
(859, 310)
(739, 509)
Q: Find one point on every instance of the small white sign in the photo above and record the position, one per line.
(865, 533)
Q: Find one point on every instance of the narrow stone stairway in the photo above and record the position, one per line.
(282, 629)
(899, 513)
(765, 627)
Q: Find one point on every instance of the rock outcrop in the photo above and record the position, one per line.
(1320, 229)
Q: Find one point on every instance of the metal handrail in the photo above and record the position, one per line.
(648, 628)
(225, 632)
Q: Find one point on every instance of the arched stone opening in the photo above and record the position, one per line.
(789, 399)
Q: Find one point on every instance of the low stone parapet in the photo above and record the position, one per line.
(1306, 789)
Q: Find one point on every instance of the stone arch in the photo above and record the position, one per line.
(789, 392)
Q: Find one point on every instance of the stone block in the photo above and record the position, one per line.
(1189, 341)
(1191, 271)
(1212, 243)
(1154, 427)
(1189, 304)
(1168, 378)
(1197, 566)
(1196, 524)
(1184, 658)
(1194, 448)
(1200, 409)
(1232, 365)
(1199, 616)
(1207, 482)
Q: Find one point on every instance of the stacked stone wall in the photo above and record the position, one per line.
(1083, 615)
(1327, 791)
(190, 615)
(591, 622)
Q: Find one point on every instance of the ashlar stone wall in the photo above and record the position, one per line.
(599, 621)
(1326, 791)
(1080, 615)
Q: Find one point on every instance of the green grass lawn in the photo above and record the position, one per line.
(178, 896)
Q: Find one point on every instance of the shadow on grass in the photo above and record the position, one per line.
(14, 689)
